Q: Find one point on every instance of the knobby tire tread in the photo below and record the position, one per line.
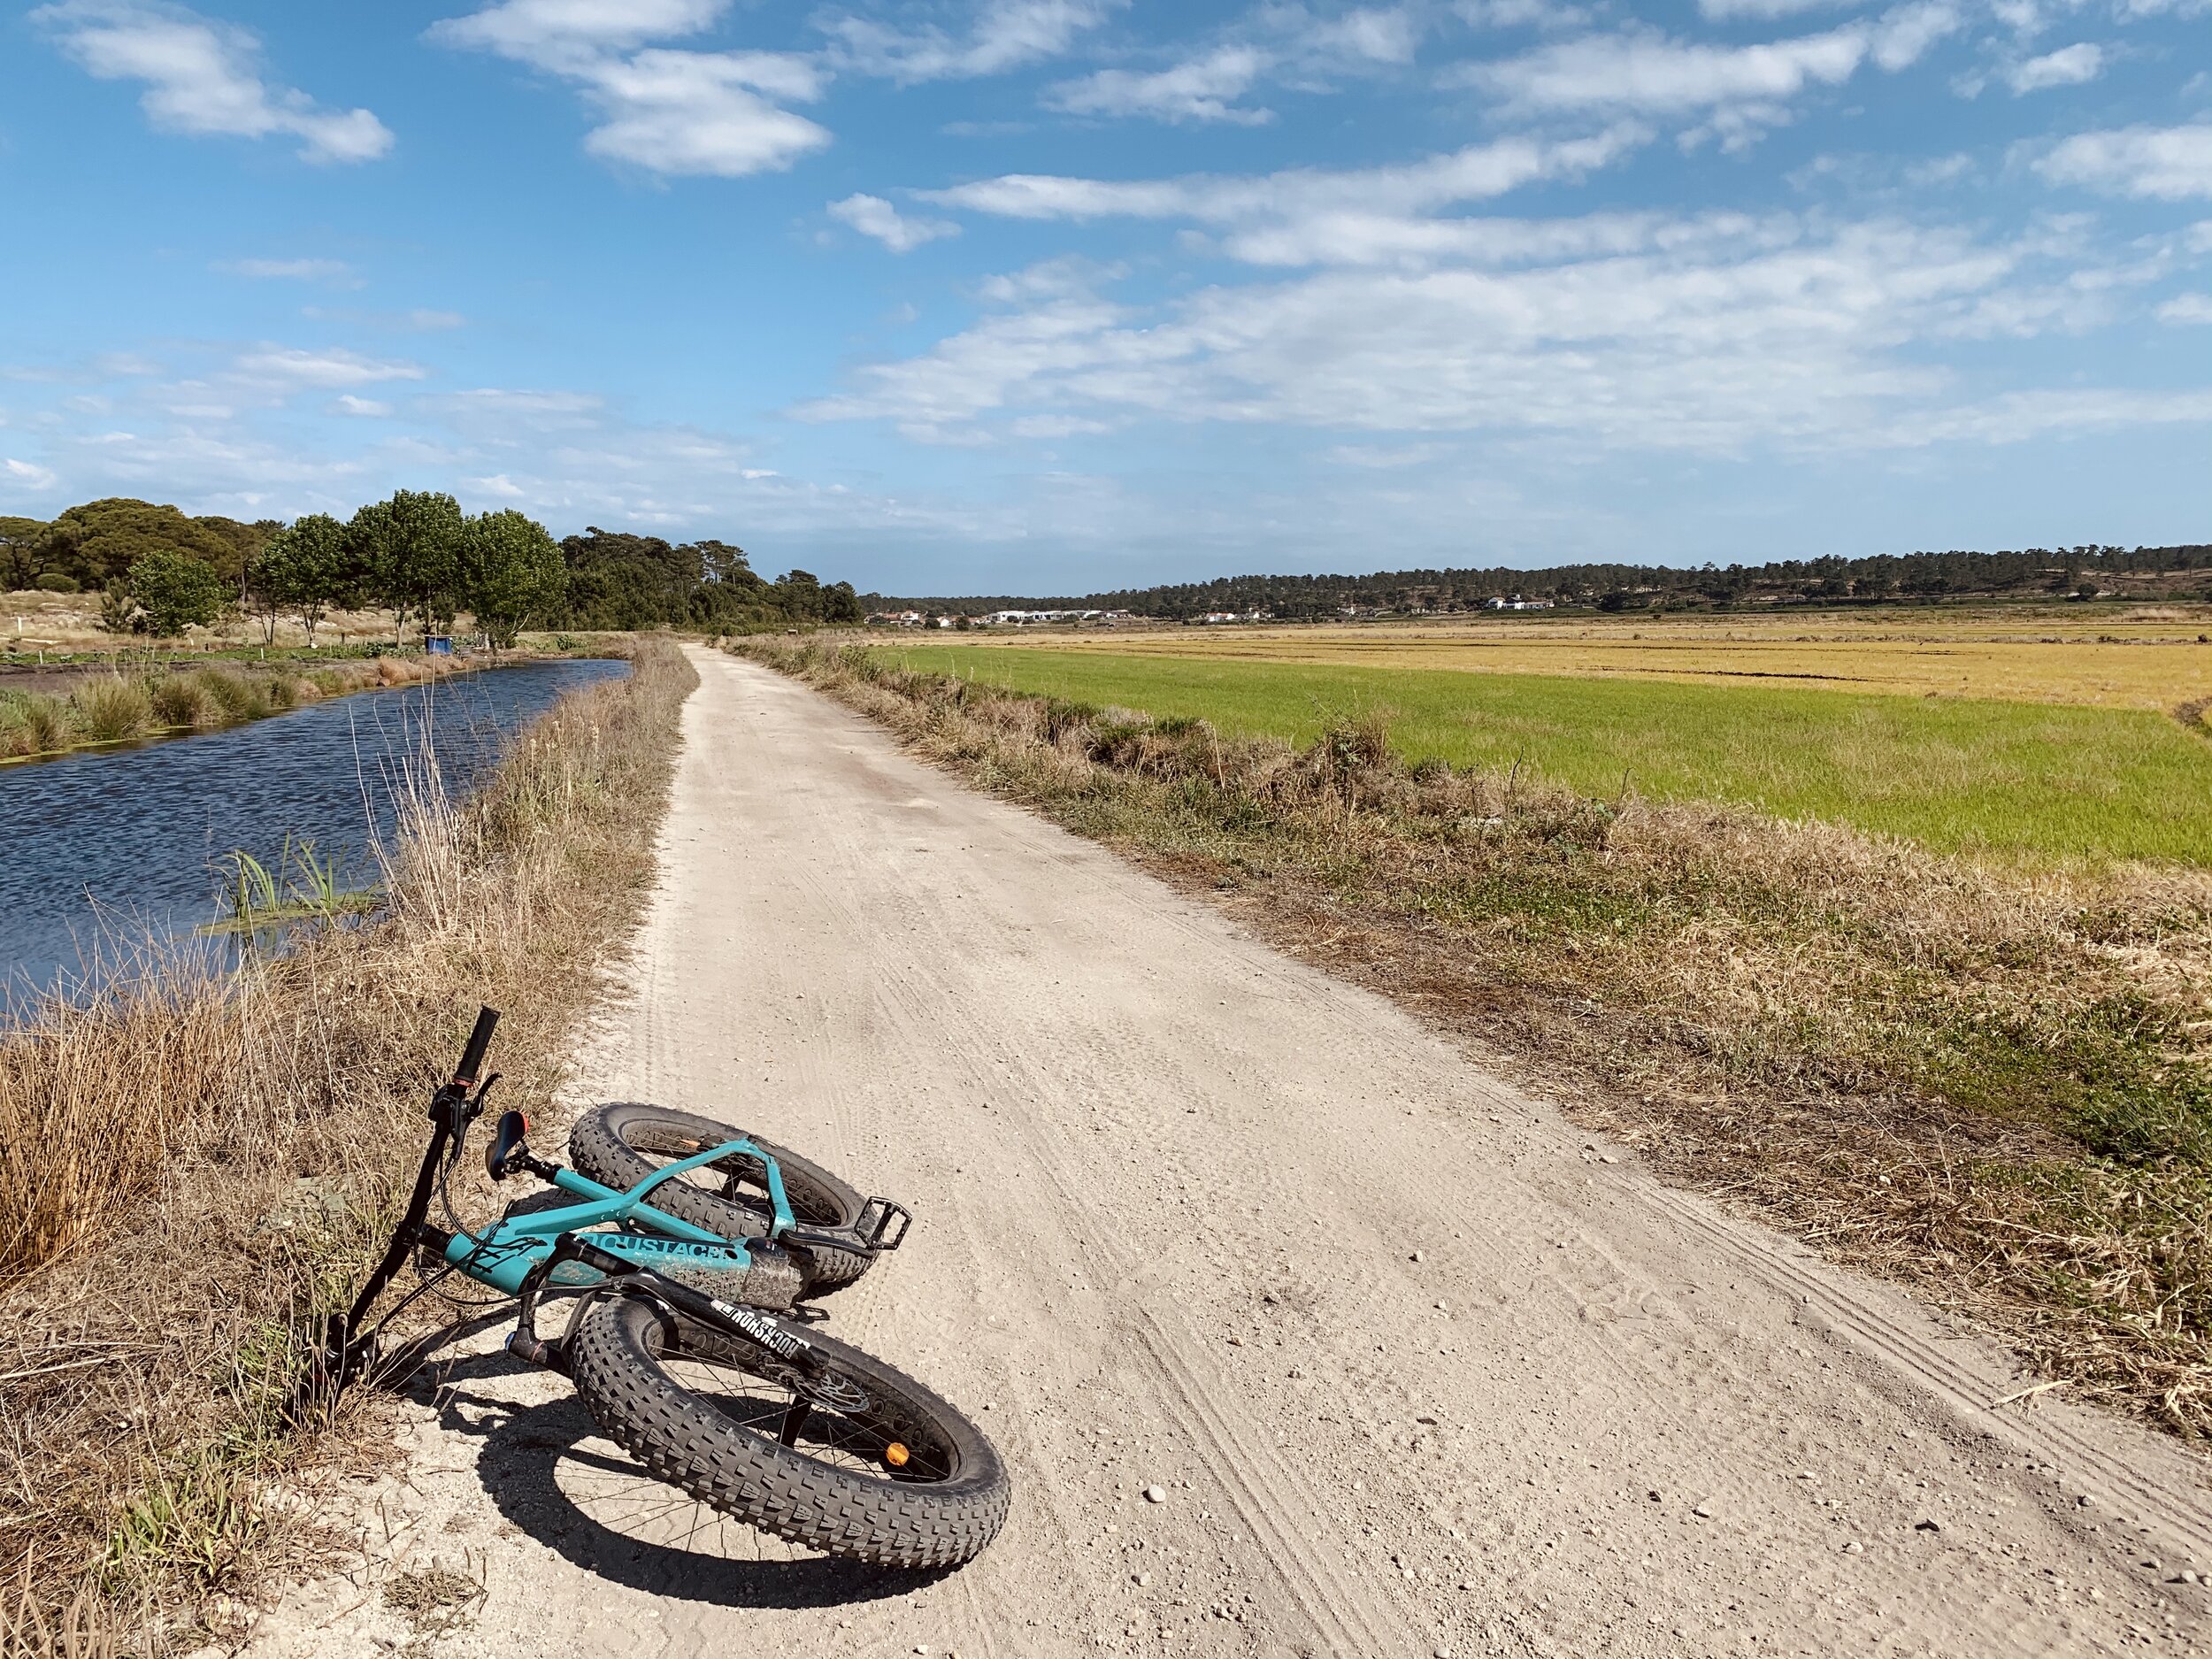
(598, 1149)
(681, 1439)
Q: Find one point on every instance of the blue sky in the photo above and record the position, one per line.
(1047, 295)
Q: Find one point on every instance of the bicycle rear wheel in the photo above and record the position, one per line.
(621, 1143)
(853, 1458)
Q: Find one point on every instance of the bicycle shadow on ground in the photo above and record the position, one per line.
(597, 1508)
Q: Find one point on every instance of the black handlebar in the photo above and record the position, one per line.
(480, 1040)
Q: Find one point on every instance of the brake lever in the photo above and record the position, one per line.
(472, 1109)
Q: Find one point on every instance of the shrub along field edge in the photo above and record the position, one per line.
(195, 1169)
(2038, 780)
(1990, 1085)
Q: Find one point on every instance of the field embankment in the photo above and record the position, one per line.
(193, 1169)
(2043, 781)
(1989, 1084)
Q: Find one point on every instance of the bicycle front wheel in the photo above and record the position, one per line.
(851, 1456)
(623, 1142)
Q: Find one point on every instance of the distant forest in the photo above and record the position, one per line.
(2045, 571)
(160, 570)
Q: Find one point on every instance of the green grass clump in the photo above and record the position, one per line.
(111, 708)
(2044, 780)
(181, 701)
(32, 723)
(236, 696)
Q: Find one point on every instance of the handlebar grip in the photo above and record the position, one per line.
(480, 1040)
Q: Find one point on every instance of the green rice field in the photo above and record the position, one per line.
(2043, 781)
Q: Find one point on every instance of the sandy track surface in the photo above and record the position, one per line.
(1420, 1366)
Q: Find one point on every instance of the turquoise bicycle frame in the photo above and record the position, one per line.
(503, 1255)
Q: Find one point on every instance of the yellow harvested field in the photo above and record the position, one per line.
(2142, 657)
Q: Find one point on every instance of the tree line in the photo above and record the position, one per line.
(159, 571)
(1881, 578)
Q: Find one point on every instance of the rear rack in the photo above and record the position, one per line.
(872, 1233)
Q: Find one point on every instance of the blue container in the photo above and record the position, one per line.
(438, 645)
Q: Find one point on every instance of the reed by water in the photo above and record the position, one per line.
(115, 707)
(196, 1166)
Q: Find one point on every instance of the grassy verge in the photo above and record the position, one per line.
(111, 708)
(2036, 779)
(193, 1171)
(1991, 1086)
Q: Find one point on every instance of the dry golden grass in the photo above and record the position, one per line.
(31, 621)
(1992, 1085)
(197, 1169)
(104, 707)
(2131, 658)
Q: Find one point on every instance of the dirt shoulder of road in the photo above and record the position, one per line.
(1418, 1364)
(1992, 1088)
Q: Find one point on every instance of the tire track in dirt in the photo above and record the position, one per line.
(1416, 1368)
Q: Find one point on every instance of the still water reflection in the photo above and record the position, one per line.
(131, 842)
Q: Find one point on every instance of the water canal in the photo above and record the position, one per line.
(118, 845)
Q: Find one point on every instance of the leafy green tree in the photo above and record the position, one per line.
(411, 549)
(173, 591)
(301, 571)
(511, 571)
(20, 542)
(800, 593)
(616, 580)
(119, 612)
(99, 542)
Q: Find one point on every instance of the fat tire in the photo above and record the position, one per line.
(615, 1356)
(602, 1147)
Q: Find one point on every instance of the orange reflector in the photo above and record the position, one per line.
(895, 1455)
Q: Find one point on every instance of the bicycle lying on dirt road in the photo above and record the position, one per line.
(691, 1341)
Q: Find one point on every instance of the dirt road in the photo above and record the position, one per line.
(1420, 1367)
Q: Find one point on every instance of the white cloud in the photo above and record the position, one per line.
(872, 216)
(1379, 457)
(289, 270)
(699, 112)
(29, 474)
(553, 32)
(1006, 34)
(2018, 417)
(202, 77)
(347, 404)
(2164, 163)
(1381, 34)
(1478, 172)
(289, 366)
(2069, 66)
(1201, 89)
(1730, 11)
(1641, 71)
(669, 112)
(1352, 238)
(1717, 335)
(1513, 14)
(2186, 308)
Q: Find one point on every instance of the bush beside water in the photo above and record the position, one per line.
(111, 708)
